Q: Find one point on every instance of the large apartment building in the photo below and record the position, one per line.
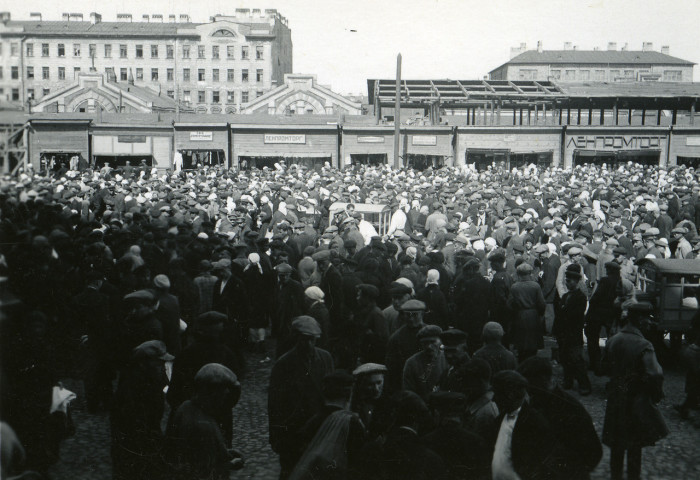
(610, 65)
(214, 67)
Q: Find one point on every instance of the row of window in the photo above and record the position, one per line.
(599, 75)
(216, 96)
(155, 74)
(139, 50)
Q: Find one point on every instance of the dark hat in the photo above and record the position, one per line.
(397, 288)
(142, 296)
(368, 290)
(524, 269)
(350, 243)
(584, 234)
(205, 266)
(215, 374)
(321, 255)
(369, 368)
(573, 270)
(448, 402)
(152, 349)
(453, 337)
(507, 380)
(306, 325)
(284, 268)
(209, 323)
(412, 306)
(641, 308)
(497, 257)
(472, 263)
(336, 382)
(620, 251)
(612, 266)
(428, 332)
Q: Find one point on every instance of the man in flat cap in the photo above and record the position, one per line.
(332, 286)
(294, 395)
(373, 329)
(196, 446)
(528, 306)
(493, 352)
(168, 313)
(423, 371)
(500, 289)
(403, 343)
(289, 304)
(454, 346)
(683, 247)
(369, 400)
(471, 294)
(231, 299)
(636, 379)
(400, 293)
(524, 439)
(568, 329)
(140, 323)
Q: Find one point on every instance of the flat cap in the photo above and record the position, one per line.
(620, 251)
(641, 308)
(613, 266)
(321, 255)
(369, 290)
(497, 257)
(524, 269)
(412, 306)
(215, 374)
(447, 402)
(369, 368)
(506, 380)
(284, 268)
(161, 281)
(453, 337)
(429, 331)
(541, 248)
(398, 288)
(574, 251)
(140, 296)
(152, 349)
(211, 318)
(472, 263)
(573, 271)
(306, 325)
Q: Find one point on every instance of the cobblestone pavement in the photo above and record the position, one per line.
(86, 455)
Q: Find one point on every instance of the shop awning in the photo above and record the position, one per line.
(285, 155)
(489, 151)
(617, 153)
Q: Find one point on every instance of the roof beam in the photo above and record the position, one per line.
(515, 87)
(485, 83)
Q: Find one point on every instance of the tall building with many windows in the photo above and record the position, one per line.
(610, 65)
(213, 67)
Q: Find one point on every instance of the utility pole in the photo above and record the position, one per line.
(397, 113)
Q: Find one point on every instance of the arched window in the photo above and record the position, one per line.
(223, 33)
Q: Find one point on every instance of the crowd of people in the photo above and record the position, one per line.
(409, 351)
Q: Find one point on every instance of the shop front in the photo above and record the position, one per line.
(259, 146)
(53, 143)
(507, 148)
(371, 145)
(428, 147)
(202, 144)
(140, 147)
(685, 147)
(648, 146)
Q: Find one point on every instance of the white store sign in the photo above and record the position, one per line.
(424, 140)
(201, 136)
(276, 138)
(692, 141)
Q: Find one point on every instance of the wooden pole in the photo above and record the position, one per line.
(397, 113)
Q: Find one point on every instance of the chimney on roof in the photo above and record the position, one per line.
(172, 18)
(184, 18)
(4, 17)
(124, 17)
(612, 46)
(35, 16)
(95, 18)
(157, 17)
(65, 17)
(624, 47)
(567, 45)
(666, 50)
(146, 18)
(77, 17)
(515, 51)
(539, 46)
(647, 46)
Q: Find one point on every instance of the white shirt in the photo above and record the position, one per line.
(502, 463)
(398, 222)
(367, 231)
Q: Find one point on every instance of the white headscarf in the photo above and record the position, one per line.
(254, 260)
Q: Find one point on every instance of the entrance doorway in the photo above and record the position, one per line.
(119, 161)
(203, 158)
(56, 160)
(370, 159)
(483, 159)
(688, 162)
(248, 162)
(614, 158)
(421, 162)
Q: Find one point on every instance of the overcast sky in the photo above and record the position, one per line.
(345, 42)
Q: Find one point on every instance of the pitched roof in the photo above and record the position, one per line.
(103, 29)
(631, 89)
(627, 57)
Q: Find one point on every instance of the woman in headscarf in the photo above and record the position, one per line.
(259, 287)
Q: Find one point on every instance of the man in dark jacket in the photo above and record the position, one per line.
(493, 352)
(372, 328)
(403, 343)
(500, 290)
(547, 278)
(168, 313)
(294, 395)
(568, 328)
(602, 311)
(471, 295)
(528, 306)
(578, 447)
(231, 299)
(289, 305)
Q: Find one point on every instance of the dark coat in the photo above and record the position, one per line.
(402, 345)
(290, 304)
(528, 305)
(168, 315)
(548, 282)
(632, 418)
(500, 290)
(332, 286)
(568, 324)
(472, 298)
(437, 312)
(294, 397)
(464, 452)
(578, 447)
(497, 356)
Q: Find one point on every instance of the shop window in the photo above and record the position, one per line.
(259, 52)
(599, 76)
(61, 73)
(154, 51)
(244, 52)
(200, 75)
(45, 73)
(215, 51)
(61, 50)
(139, 74)
(215, 75)
(122, 51)
(14, 73)
(30, 49)
(229, 75)
(629, 74)
(169, 51)
(30, 73)
(569, 75)
(108, 51)
(44, 49)
(185, 74)
(76, 49)
(614, 75)
(170, 75)
(527, 74)
(200, 51)
(154, 74)
(244, 75)
(201, 96)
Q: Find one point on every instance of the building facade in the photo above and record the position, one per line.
(611, 65)
(214, 67)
